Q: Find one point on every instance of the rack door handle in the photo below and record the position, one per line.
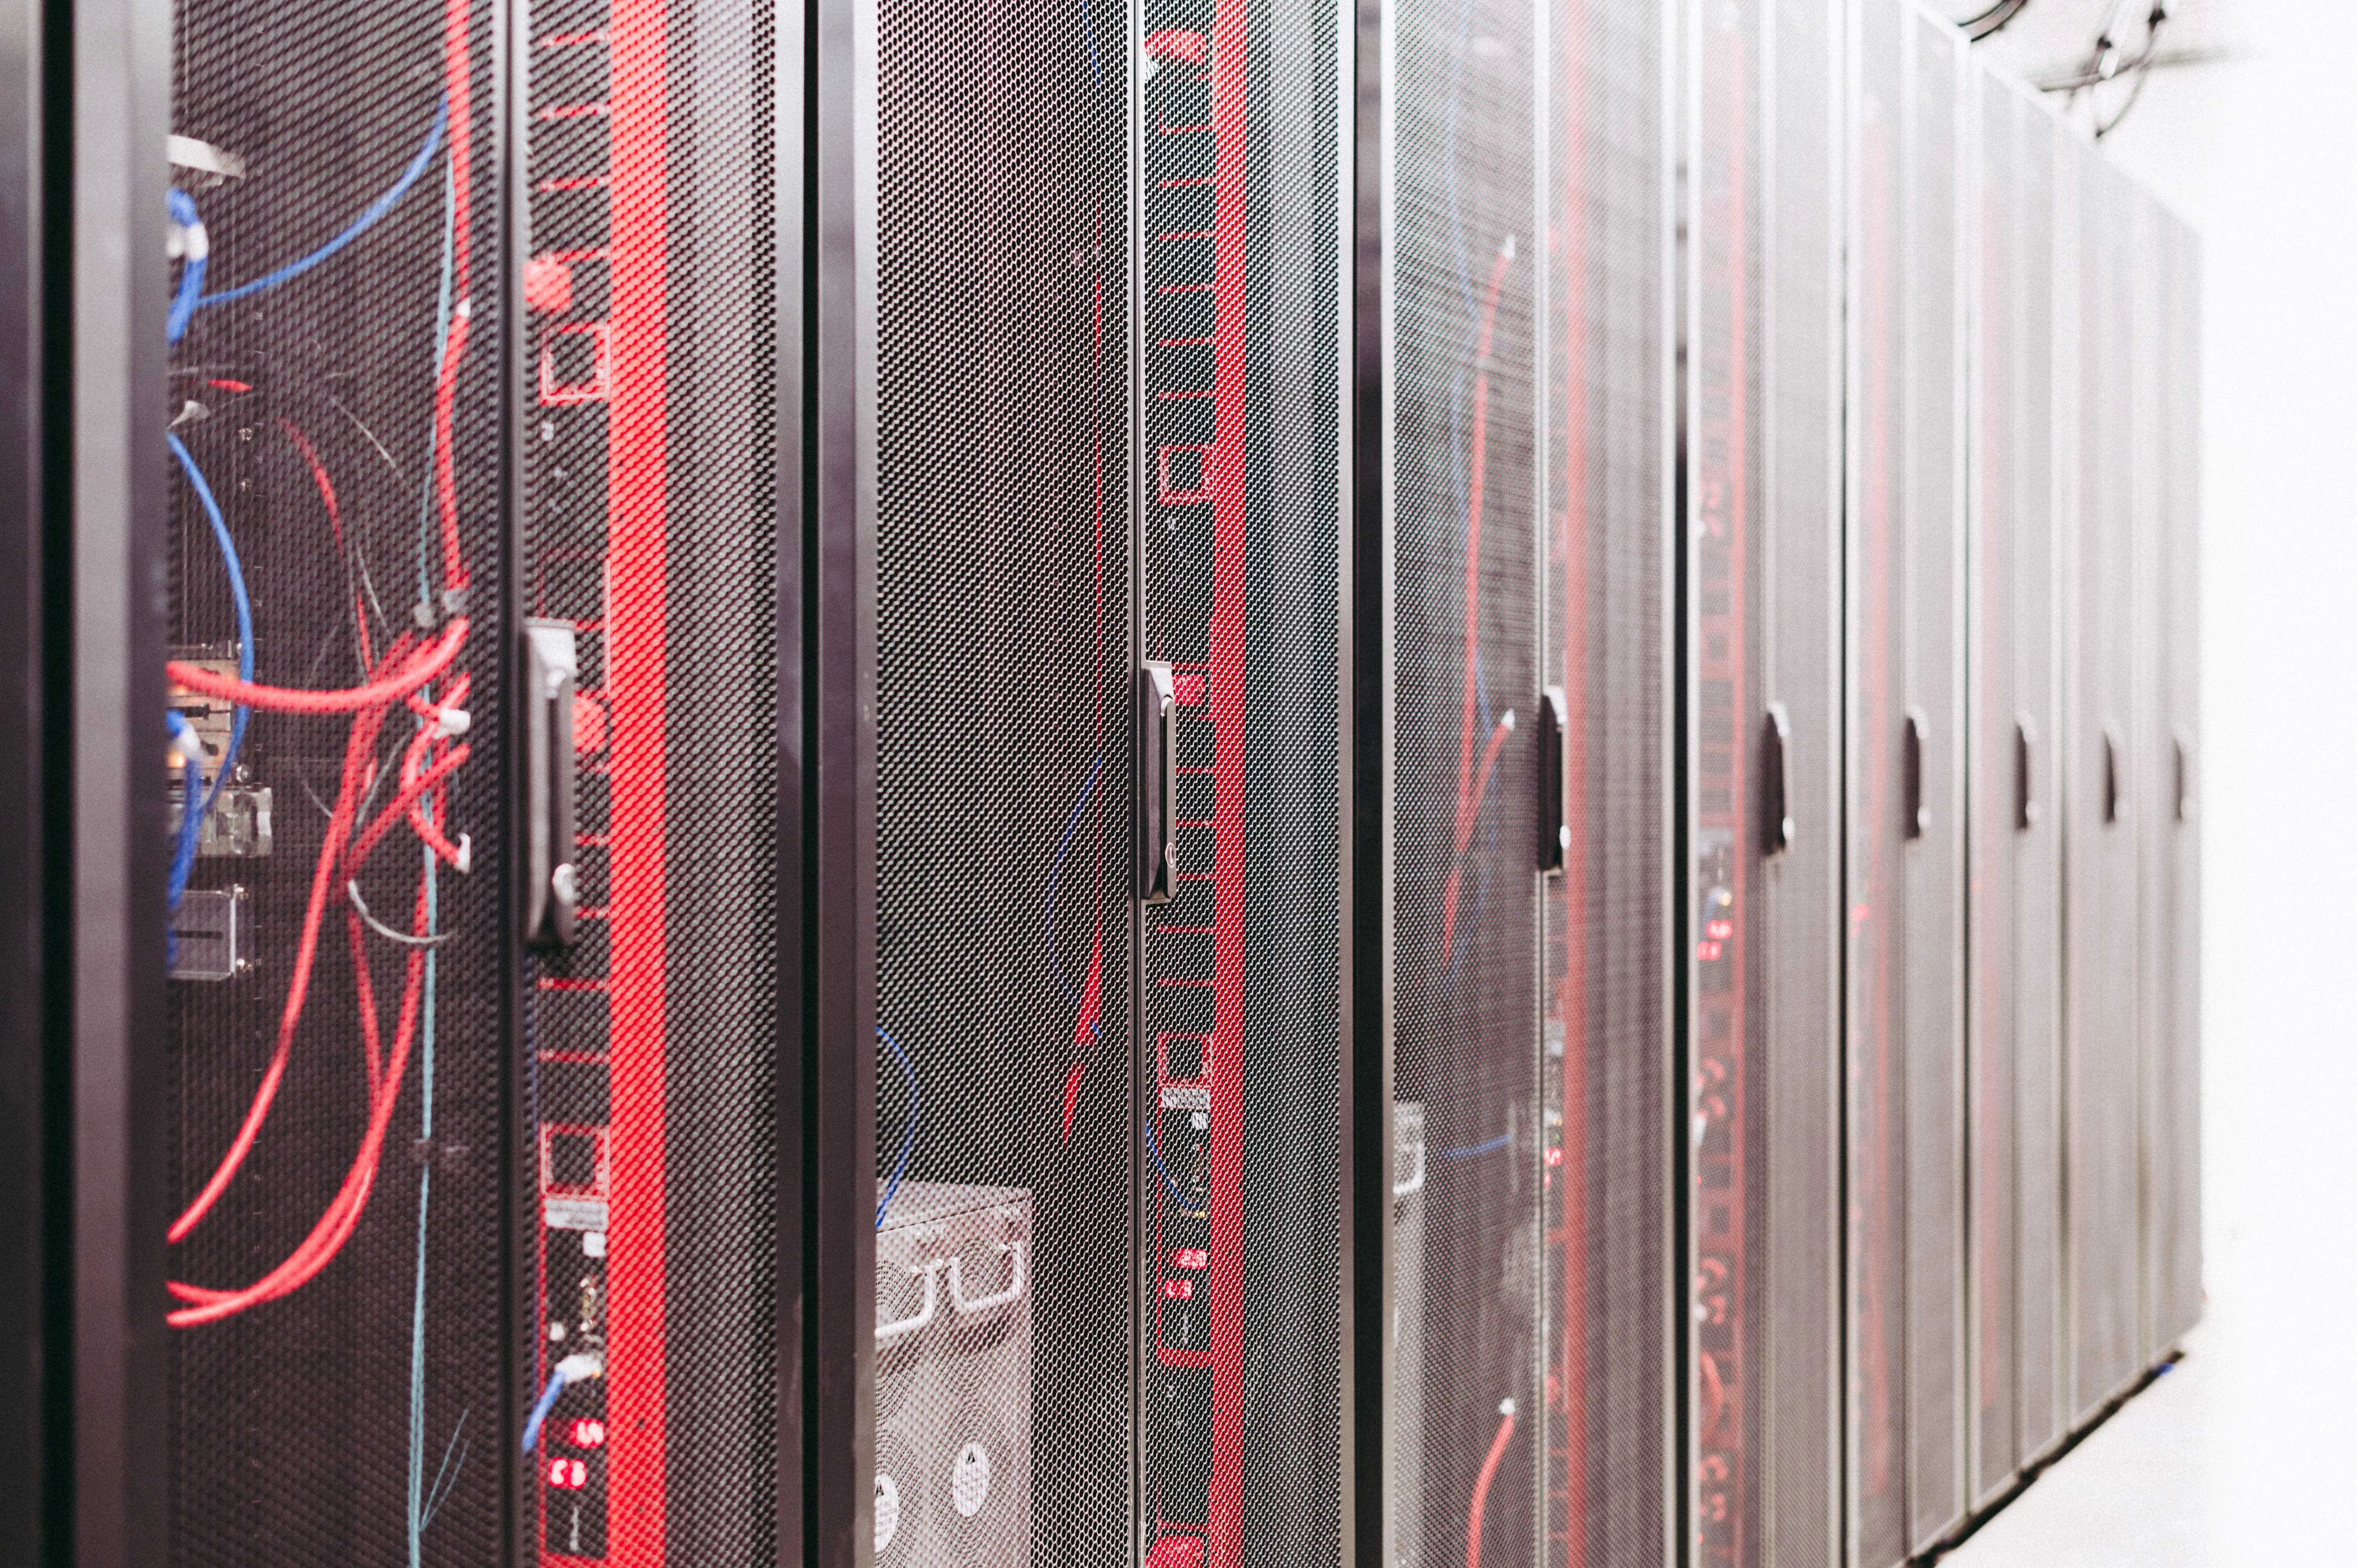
(1776, 830)
(1157, 781)
(2184, 786)
(550, 889)
(1554, 739)
(2025, 796)
(1910, 767)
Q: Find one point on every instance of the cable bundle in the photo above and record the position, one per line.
(408, 674)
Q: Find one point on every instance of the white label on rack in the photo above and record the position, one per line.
(574, 1213)
(888, 1510)
(970, 1479)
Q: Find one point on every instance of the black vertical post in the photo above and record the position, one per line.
(105, 114)
(31, 1412)
(1366, 945)
(794, 500)
(839, 1076)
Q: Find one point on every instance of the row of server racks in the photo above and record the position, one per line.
(1201, 783)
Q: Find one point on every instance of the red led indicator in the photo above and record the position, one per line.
(1189, 1258)
(1178, 1290)
(586, 1433)
(1706, 952)
(1554, 1156)
(1719, 930)
(570, 1475)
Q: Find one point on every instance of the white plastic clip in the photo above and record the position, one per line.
(901, 1328)
(966, 1307)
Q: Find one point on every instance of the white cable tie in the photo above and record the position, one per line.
(1505, 1407)
(454, 721)
(466, 858)
(581, 1366)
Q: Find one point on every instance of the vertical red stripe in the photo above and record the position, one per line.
(635, 677)
(1226, 479)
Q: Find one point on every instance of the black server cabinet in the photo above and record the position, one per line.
(473, 835)
(1518, 534)
(2101, 938)
(1763, 791)
(1903, 905)
(1083, 472)
(1469, 725)
(2172, 873)
(2015, 948)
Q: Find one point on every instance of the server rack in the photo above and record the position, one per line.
(2173, 874)
(1904, 895)
(1517, 773)
(1093, 559)
(352, 1111)
(2101, 863)
(1763, 794)
(2015, 941)
(1470, 765)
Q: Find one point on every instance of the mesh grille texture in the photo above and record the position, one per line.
(339, 402)
(1607, 1030)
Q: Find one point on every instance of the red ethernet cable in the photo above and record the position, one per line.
(1472, 789)
(1481, 1484)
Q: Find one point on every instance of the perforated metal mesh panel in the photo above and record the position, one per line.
(1241, 183)
(1004, 1270)
(336, 1386)
(1608, 1085)
(2174, 758)
(650, 428)
(2016, 945)
(1467, 274)
(2101, 933)
(1905, 787)
(1762, 449)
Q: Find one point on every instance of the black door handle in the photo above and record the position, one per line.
(1775, 788)
(551, 890)
(1157, 782)
(1910, 766)
(1554, 829)
(2025, 802)
(2184, 791)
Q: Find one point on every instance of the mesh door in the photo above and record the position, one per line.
(1467, 274)
(1764, 497)
(1242, 534)
(336, 1011)
(1905, 787)
(2173, 756)
(650, 532)
(2100, 936)
(1608, 1079)
(1004, 1244)
(2016, 946)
